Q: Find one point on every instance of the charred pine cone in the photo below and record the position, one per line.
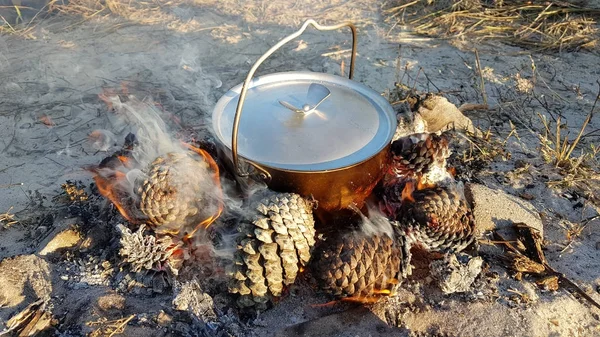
(146, 252)
(438, 219)
(273, 242)
(357, 264)
(419, 153)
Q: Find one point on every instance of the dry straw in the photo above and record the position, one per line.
(541, 25)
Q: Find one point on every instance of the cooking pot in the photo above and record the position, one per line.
(318, 135)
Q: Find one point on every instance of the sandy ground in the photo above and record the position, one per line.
(193, 52)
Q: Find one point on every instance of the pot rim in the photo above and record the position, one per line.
(386, 115)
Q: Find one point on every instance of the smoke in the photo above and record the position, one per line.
(157, 179)
(375, 224)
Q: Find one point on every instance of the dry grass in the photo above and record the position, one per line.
(170, 12)
(7, 219)
(18, 27)
(109, 328)
(540, 25)
(579, 167)
(558, 149)
(157, 12)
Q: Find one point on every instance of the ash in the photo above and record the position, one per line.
(456, 272)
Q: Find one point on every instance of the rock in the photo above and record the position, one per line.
(111, 301)
(65, 239)
(163, 319)
(441, 115)
(494, 209)
(455, 273)
(23, 276)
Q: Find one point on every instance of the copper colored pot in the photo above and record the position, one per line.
(318, 135)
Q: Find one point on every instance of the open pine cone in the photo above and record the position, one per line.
(147, 252)
(438, 219)
(418, 153)
(273, 242)
(356, 264)
(173, 192)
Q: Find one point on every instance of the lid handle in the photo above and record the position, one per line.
(238, 111)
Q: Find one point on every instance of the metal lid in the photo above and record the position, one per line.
(306, 121)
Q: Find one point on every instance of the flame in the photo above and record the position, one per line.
(421, 185)
(109, 186)
(407, 192)
(106, 187)
(385, 292)
(452, 171)
(107, 94)
(216, 179)
(47, 121)
(372, 298)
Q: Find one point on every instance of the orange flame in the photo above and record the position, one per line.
(106, 187)
(452, 171)
(47, 121)
(216, 178)
(109, 186)
(421, 185)
(407, 192)
(372, 298)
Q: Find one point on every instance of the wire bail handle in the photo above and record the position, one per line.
(264, 174)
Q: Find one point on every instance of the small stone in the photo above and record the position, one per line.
(526, 196)
(65, 239)
(111, 301)
(549, 283)
(163, 319)
(41, 230)
(64, 277)
(80, 285)
(520, 163)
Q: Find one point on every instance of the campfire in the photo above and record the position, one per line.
(351, 234)
(175, 194)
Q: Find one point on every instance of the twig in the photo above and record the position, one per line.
(482, 82)
(531, 235)
(430, 81)
(119, 328)
(585, 123)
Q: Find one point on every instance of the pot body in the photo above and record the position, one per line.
(334, 190)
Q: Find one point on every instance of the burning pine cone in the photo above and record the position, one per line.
(357, 265)
(418, 154)
(275, 240)
(438, 219)
(174, 192)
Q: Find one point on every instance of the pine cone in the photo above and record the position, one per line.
(173, 193)
(356, 264)
(146, 252)
(439, 219)
(272, 243)
(418, 153)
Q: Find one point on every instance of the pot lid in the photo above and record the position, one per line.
(306, 121)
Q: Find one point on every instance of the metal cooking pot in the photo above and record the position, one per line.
(310, 133)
